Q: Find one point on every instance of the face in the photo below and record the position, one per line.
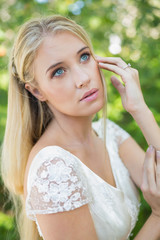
(67, 74)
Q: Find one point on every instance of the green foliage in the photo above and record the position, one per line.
(7, 231)
(137, 26)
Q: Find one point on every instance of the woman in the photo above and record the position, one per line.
(54, 158)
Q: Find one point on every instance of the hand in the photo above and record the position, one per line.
(151, 180)
(131, 94)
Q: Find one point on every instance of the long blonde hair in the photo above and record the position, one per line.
(27, 117)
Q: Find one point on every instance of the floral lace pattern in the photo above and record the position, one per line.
(56, 187)
(118, 134)
(58, 181)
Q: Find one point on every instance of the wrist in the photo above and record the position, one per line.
(141, 112)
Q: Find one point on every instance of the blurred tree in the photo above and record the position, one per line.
(126, 28)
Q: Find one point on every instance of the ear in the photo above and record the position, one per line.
(35, 92)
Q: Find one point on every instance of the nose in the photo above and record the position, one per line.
(82, 77)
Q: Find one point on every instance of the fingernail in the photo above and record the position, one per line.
(158, 153)
(150, 148)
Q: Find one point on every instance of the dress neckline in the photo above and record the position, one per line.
(84, 165)
(95, 174)
(116, 188)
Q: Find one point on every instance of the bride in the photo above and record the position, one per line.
(71, 177)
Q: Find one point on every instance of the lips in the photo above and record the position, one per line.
(89, 93)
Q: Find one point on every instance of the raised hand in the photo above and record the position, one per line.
(130, 91)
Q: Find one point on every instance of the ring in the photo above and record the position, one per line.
(128, 65)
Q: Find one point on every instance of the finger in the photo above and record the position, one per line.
(114, 68)
(118, 85)
(158, 170)
(150, 168)
(144, 184)
(111, 60)
(115, 61)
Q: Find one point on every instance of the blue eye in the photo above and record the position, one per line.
(85, 57)
(58, 72)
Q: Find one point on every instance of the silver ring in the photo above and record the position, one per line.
(128, 65)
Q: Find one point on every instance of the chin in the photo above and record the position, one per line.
(99, 108)
(96, 109)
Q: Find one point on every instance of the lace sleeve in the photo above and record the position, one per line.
(55, 186)
(119, 134)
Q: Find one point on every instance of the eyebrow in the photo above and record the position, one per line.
(54, 65)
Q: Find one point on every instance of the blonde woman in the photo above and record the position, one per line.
(63, 179)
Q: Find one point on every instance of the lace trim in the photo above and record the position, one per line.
(119, 135)
(80, 186)
(133, 210)
(57, 185)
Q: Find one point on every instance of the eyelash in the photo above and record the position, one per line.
(56, 70)
(86, 53)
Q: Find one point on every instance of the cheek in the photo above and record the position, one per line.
(98, 78)
(58, 94)
(95, 67)
(97, 73)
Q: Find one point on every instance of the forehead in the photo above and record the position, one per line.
(60, 45)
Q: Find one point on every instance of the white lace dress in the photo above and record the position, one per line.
(58, 181)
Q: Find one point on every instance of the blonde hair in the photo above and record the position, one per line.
(27, 117)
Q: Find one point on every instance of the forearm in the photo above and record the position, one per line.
(150, 230)
(148, 126)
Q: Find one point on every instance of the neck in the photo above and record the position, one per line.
(75, 131)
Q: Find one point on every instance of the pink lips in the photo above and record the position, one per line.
(90, 95)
